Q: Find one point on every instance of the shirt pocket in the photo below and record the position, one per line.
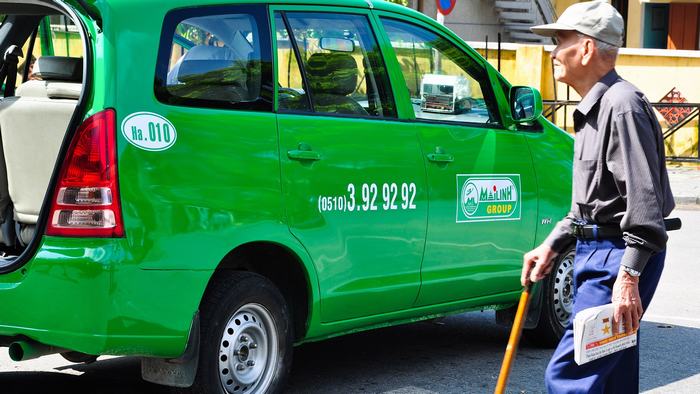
(585, 184)
(585, 172)
(586, 145)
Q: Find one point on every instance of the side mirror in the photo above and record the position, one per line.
(525, 104)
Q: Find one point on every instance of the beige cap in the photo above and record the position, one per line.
(596, 19)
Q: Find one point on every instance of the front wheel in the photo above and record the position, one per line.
(557, 305)
(246, 337)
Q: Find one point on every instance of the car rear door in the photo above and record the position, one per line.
(482, 187)
(353, 177)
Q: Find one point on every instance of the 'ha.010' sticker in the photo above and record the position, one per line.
(488, 197)
(149, 131)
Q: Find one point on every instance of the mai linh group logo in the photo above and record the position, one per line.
(488, 198)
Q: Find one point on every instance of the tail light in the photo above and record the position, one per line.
(86, 199)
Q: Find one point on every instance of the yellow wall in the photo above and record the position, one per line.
(634, 17)
(63, 45)
(561, 5)
(73, 47)
(634, 24)
(655, 75)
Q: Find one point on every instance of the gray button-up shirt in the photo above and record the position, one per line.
(619, 170)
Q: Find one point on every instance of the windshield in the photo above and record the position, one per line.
(439, 89)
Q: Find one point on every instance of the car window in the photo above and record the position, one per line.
(56, 35)
(445, 84)
(216, 57)
(291, 92)
(343, 71)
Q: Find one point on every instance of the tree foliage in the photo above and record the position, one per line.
(402, 2)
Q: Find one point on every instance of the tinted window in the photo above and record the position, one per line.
(445, 83)
(216, 57)
(343, 71)
(291, 89)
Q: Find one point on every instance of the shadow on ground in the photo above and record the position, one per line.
(459, 354)
(111, 376)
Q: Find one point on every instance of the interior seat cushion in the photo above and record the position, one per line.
(64, 90)
(4, 191)
(32, 88)
(50, 89)
(23, 122)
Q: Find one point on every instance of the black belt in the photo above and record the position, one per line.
(596, 231)
(601, 231)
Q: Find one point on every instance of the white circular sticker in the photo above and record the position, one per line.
(149, 131)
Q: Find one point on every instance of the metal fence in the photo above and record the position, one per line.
(685, 114)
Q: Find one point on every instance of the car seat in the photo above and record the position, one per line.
(32, 129)
(332, 77)
(210, 73)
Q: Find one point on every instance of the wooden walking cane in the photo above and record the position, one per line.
(515, 333)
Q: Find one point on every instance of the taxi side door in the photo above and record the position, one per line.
(353, 179)
(482, 186)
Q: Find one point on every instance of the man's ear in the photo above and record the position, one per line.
(587, 50)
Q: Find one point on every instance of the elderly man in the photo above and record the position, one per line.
(621, 195)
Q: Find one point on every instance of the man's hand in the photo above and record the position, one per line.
(627, 302)
(536, 264)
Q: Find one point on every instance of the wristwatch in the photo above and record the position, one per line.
(630, 271)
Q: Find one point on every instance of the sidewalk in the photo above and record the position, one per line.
(685, 182)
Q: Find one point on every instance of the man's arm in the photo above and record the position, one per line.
(633, 159)
(537, 263)
(561, 235)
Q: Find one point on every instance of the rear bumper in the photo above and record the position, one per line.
(90, 295)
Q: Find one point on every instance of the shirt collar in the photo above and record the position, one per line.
(596, 92)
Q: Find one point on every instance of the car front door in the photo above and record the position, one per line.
(353, 178)
(482, 187)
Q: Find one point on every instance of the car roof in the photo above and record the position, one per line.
(382, 5)
(112, 5)
(377, 4)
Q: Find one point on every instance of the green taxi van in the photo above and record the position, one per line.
(210, 183)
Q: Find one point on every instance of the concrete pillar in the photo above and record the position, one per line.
(635, 23)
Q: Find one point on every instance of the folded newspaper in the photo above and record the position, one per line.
(593, 335)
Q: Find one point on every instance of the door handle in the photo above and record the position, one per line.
(304, 153)
(441, 157)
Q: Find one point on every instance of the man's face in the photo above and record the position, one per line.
(567, 57)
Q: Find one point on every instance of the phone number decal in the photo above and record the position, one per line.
(371, 197)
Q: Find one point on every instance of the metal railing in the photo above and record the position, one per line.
(691, 112)
(546, 10)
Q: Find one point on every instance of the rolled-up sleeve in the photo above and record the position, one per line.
(632, 158)
(561, 235)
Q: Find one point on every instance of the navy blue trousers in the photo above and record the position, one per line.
(595, 269)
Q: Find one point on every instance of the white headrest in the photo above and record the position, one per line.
(207, 52)
(64, 90)
(50, 89)
(32, 88)
(201, 53)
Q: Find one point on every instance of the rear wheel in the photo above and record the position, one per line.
(558, 289)
(246, 337)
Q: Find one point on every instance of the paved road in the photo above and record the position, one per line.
(459, 354)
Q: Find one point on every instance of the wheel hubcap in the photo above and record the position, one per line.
(563, 294)
(248, 350)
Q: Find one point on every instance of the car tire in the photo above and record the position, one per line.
(557, 303)
(246, 337)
